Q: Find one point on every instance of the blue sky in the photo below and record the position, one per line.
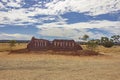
(61, 19)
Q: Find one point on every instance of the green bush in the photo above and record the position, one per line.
(12, 44)
(92, 45)
(108, 44)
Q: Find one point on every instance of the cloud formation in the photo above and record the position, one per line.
(46, 17)
(16, 36)
(17, 12)
(74, 31)
(91, 7)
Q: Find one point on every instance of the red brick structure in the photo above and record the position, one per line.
(38, 44)
(65, 45)
(42, 44)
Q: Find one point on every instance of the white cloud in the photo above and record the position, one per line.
(4, 0)
(13, 3)
(60, 27)
(1, 5)
(69, 33)
(113, 30)
(16, 16)
(56, 7)
(93, 7)
(74, 31)
(19, 16)
(15, 36)
(91, 24)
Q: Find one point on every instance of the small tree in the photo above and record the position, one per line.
(106, 42)
(12, 44)
(85, 37)
(115, 38)
(92, 45)
(104, 39)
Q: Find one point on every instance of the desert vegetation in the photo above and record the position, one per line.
(7, 46)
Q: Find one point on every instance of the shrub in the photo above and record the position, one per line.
(108, 44)
(12, 44)
(92, 45)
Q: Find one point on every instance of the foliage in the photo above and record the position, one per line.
(85, 37)
(104, 39)
(108, 44)
(115, 38)
(92, 45)
(12, 44)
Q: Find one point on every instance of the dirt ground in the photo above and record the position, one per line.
(59, 67)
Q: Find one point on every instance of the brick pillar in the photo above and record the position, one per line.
(35, 44)
(73, 44)
(45, 44)
(63, 44)
(69, 44)
(55, 44)
(60, 44)
(38, 43)
(66, 44)
(41, 44)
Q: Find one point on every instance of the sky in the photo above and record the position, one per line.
(59, 19)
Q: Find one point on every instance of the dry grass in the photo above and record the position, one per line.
(114, 49)
(101, 49)
(6, 47)
(33, 66)
(54, 67)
